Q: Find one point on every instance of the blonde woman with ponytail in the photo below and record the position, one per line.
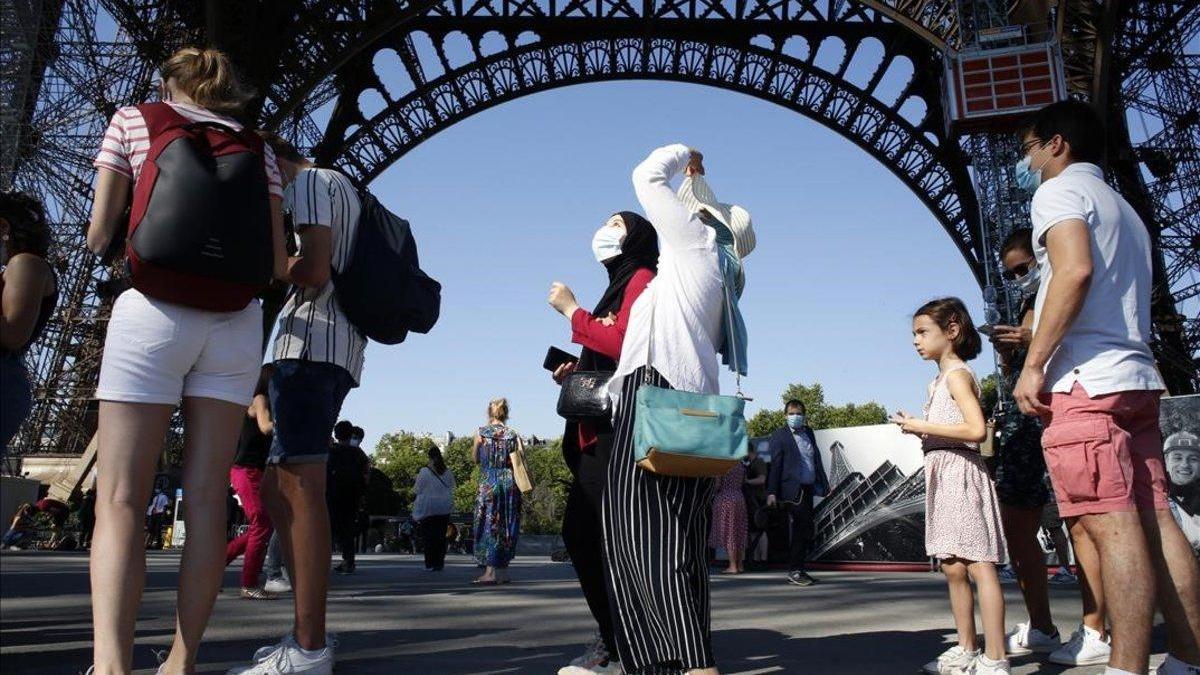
(498, 505)
(160, 353)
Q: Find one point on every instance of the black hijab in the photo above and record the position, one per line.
(638, 251)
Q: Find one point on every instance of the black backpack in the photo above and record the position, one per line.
(382, 289)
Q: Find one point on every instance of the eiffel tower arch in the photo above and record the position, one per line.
(326, 70)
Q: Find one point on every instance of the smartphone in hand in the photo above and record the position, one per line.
(556, 357)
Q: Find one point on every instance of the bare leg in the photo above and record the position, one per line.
(212, 433)
(962, 602)
(295, 495)
(1091, 588)
(1178, 583)
(991, 607)
(130, 440)
(1020, 529)
(1124, 558)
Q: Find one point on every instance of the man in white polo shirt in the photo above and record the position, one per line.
(1092, 378)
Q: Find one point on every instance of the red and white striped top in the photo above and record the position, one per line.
(126, 142)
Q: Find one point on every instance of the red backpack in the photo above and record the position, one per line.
(200, 222)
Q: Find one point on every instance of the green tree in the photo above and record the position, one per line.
(466, 472)
(989, 395)
(542, 509)
(821, 414)
(765, 421)
(400, 456)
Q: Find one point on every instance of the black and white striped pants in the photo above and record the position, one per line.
(656, 540)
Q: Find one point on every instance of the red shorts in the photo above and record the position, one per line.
(1105, 453)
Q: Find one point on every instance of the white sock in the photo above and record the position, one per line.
(313, 653)
(1109, 670)
(1185, 664)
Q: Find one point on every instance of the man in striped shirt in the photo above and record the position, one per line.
(318, 359)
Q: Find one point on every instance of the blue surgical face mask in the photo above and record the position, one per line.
(606, 243)
(797, 421)
(1028, 179)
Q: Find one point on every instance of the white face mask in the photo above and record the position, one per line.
(1030, 282)
(606, 243)
(354, 442)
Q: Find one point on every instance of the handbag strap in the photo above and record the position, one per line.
(729, 329)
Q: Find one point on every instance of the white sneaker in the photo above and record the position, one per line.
(1173, 666)
(953, 660)
(595, 654)
(288, 659)
(280, 585)
(985, 666)
(1025, 639)
(1085, 648)
(611, 668)
(289, 640)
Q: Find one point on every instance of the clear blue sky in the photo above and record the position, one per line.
(506, 202)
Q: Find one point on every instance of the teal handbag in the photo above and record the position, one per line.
(686, 434)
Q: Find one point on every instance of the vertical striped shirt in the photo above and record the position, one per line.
(312, 326)
(126, 142)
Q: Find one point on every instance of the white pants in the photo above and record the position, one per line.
(158, 352)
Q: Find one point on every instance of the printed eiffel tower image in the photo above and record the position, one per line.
(875, 516)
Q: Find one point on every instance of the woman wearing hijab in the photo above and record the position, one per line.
(627, 246)
(680, 330)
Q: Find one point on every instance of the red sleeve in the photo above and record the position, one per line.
(586, 330)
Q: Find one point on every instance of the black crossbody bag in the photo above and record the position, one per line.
(584, 395)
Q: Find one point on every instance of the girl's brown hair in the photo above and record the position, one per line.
(498, 409)
(208, 77)
(947, 311)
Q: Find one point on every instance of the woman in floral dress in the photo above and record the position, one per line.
(498, 507)
(729, 519)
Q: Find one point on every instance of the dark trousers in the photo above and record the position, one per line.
(343, 520)
(801, 530)
(154, 530)
(583, 533)
(433, 533)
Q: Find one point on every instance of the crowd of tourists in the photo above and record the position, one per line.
(204, 238)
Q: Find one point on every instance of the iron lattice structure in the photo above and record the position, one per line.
(320, 62)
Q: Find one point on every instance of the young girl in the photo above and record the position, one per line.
(962, 514)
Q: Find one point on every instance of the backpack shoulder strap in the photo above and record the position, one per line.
(161, 117)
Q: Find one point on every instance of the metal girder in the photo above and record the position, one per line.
(914, 150)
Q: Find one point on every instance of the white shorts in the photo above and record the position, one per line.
(158, 352)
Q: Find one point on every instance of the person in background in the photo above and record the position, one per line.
(677, 339)
(962, 513)
(1026, 499)
(274, 572)
(156, 514)
(22, 526)
(87, 517)
(729, 519)
(434, 490)
(1089, 373)
(348, 469)
(28, 295)
(318, 355)
(755, 491)
(498, 505)
(1182, 453)
(627, 246)
(797, 476)
(158, 354)
(246, 476)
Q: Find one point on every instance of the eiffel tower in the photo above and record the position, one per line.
(70, 63)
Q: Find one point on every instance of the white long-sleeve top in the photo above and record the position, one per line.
(687, 294)
(434, 494)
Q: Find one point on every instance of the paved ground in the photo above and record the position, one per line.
(394, 617)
